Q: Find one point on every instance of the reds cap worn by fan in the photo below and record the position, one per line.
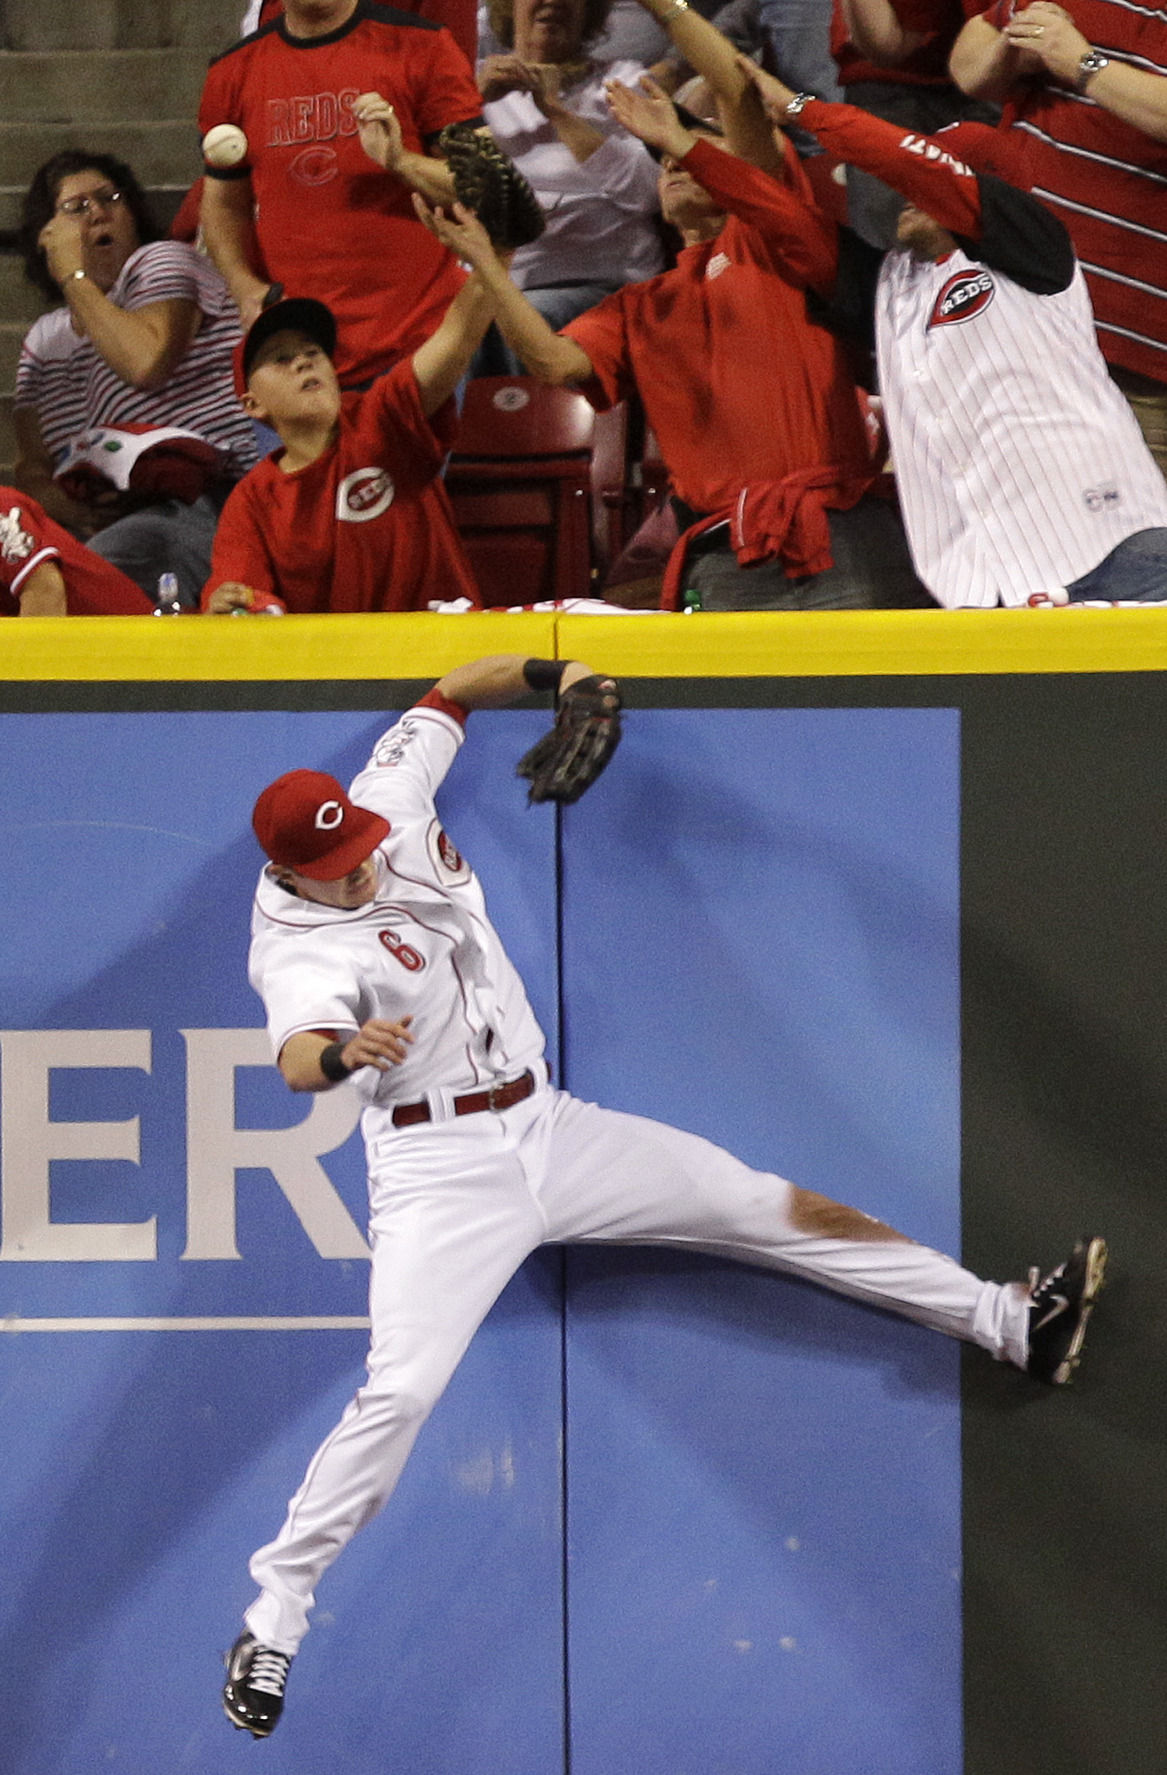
(306, 822)
(295, 314)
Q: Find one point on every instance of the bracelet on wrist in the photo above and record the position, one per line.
(544, 674)
(332, 1065)
(672, 12)
(795, 105)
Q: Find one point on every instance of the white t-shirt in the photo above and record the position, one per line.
(601, 212)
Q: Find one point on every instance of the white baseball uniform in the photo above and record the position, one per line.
(1019, 464)
(458, 1201)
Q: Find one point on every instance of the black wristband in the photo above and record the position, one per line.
(331, 1065)
(544, 674)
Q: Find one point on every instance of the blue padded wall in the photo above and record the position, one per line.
(762, 1483)
(763, 1506)
(142, 1466)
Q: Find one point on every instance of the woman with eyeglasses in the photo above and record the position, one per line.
(142, 337)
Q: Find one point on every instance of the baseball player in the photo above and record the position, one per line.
(1021, 471)
(352, 513)
(377, 963)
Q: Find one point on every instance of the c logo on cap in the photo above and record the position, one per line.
(328, 816)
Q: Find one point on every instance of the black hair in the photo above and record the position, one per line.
(40, 203)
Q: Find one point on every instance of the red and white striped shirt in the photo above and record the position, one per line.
(1106, 180)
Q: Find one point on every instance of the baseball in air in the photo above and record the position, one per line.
(225, 145)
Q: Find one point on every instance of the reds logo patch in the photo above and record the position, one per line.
(446, 858)
(965, 294)
(391, 749)
(363, 495)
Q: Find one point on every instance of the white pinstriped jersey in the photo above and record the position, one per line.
(423, 947)
(1019, 464)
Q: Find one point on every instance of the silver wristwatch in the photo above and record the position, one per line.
(1091, 63)
(794, 106)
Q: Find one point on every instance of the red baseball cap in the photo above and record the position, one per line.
(306, 822)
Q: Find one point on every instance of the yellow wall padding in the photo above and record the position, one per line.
(848, 643)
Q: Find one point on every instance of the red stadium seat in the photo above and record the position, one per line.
(537, 484)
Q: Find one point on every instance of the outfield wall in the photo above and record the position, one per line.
(874, 898)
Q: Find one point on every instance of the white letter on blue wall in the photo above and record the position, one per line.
(29, 1142)
(216, 1149)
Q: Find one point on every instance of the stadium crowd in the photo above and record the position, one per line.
(883, 286)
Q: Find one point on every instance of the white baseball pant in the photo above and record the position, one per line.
(455, 1208)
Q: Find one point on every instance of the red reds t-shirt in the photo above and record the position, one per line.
(329, 222)
(367, 526)
(737, 383)
(29, 539)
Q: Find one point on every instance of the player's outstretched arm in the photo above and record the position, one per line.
(501, 678)
(380, 137)
(565, 763)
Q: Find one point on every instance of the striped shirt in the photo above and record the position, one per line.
(64, 378)
(1106, 180)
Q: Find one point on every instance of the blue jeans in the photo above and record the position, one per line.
(169, 537)
(1137, 568)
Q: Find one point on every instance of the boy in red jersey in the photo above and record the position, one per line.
(351, 515)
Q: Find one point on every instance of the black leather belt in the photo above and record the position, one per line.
(472, 1103)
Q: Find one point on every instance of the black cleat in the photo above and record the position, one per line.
(253, 1695)
(1059, 1307)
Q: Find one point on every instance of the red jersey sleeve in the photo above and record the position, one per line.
(29, 539)
(433, 699)
(239, 553)
(916, 166)
(221, 103)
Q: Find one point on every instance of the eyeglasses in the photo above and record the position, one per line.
(105, 195)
